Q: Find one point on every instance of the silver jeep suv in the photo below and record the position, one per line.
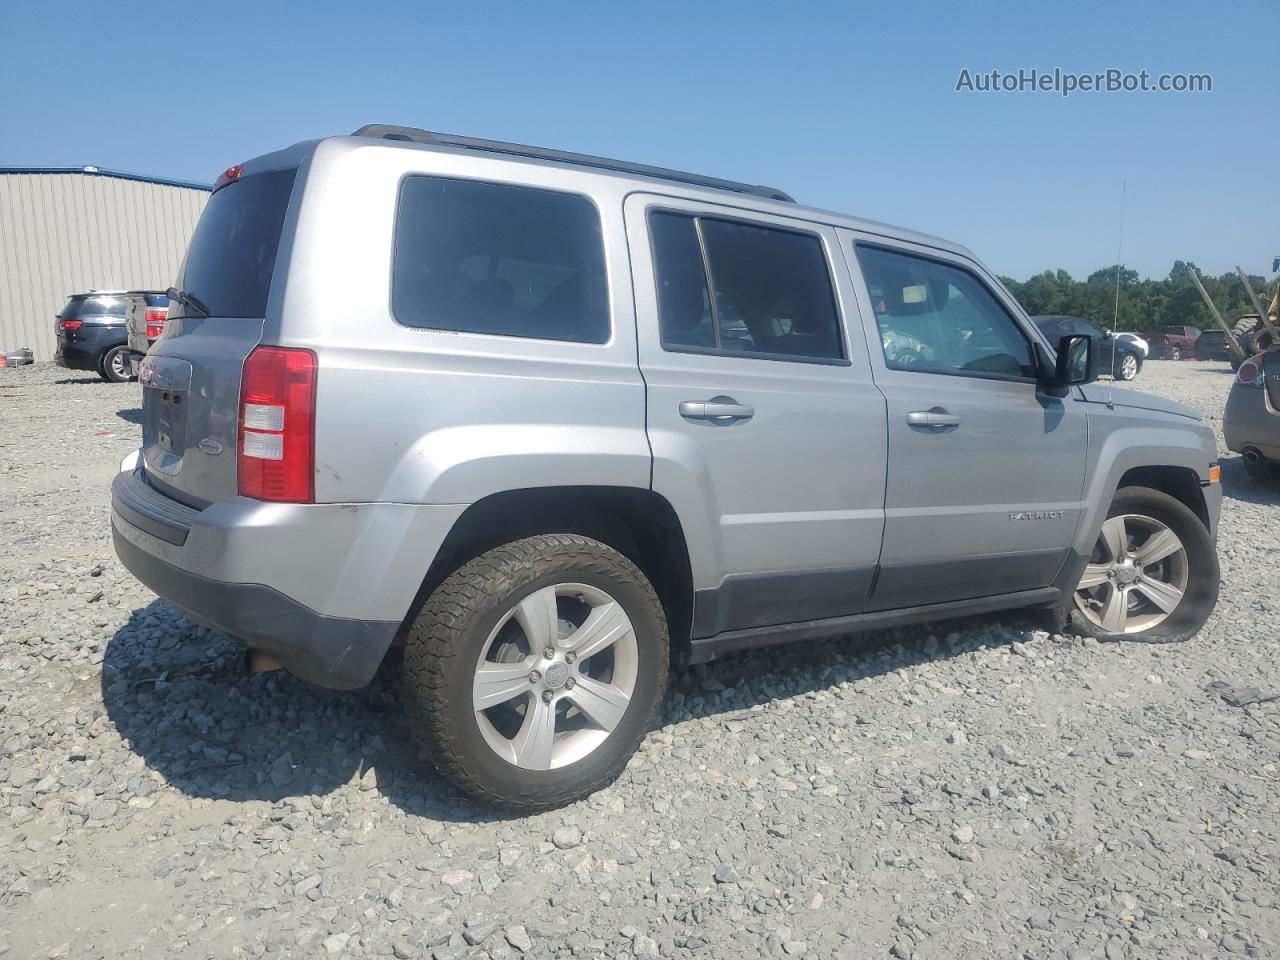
(552, 422)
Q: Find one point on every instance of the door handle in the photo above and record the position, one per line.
(720, 408)
(932, 418)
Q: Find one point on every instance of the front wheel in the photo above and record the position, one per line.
(534, 670)
(1128, 368)
(1153, 573)
(1175, 353)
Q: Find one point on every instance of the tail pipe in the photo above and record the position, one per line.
(1252, 456)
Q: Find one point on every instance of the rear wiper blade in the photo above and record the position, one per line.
(187, 299)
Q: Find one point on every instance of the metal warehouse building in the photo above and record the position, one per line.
(70, 230)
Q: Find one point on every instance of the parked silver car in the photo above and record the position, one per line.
(1251, 423)
(553, 421)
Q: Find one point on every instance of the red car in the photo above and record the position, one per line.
(1174, 342)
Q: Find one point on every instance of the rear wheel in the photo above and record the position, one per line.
(533, 671)
(114, 365)
(1175, 353)
(1128, 367)
(1153, 572)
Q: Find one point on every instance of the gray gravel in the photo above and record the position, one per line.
(976, 789)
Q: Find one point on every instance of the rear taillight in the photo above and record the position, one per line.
(70, 324)
(277, 425)
(1250, 373)
(155, 322)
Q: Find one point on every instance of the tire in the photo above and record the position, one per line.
(1175, 353)
(477, 617)
(1252, 335)
(1144, 620)
(1129, 367)
(114, 365)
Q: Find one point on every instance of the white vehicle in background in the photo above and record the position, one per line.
(1137, 341)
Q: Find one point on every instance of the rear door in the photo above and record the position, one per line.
(768, 435)
(985, 472)
(192, 375)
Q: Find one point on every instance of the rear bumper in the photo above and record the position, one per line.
(75, 357)
(1249, 424)
(322, 587)
(329, 651)
(83, 348)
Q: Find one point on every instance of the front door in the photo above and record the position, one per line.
(985, 471)
(768, 434)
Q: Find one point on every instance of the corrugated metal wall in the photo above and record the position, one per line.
(65, 233)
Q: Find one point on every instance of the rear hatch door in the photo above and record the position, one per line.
(191, 376)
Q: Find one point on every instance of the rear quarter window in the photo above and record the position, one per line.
(499, 259)
(233, 251)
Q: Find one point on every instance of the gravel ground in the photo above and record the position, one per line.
(977, 788)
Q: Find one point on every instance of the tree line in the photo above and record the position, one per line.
(1144, 303)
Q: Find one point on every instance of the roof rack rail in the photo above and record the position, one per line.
(384, 131)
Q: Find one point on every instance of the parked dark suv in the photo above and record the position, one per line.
(1119, 358)
(92, 335)
(1213, 345)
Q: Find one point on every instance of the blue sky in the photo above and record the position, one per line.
(846, 105)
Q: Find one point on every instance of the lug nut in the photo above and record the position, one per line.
(547, 696)
(570, 683)
(549, 653)
(570, 657)
(534, 676)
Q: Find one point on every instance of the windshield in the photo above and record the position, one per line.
(233, 251)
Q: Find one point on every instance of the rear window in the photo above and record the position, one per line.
(233, 251)
(156, 300)
(474, 257)
(86, 307)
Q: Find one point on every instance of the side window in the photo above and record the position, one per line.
(769, 293)
(477, 257)
(937, 318)
(683, 298)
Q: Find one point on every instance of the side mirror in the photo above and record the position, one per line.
(1077, 363)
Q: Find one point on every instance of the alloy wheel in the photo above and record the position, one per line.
(1136, 577)
(1128, 367)
(555, 676)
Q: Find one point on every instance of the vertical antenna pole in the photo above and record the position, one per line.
(1115, 319)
